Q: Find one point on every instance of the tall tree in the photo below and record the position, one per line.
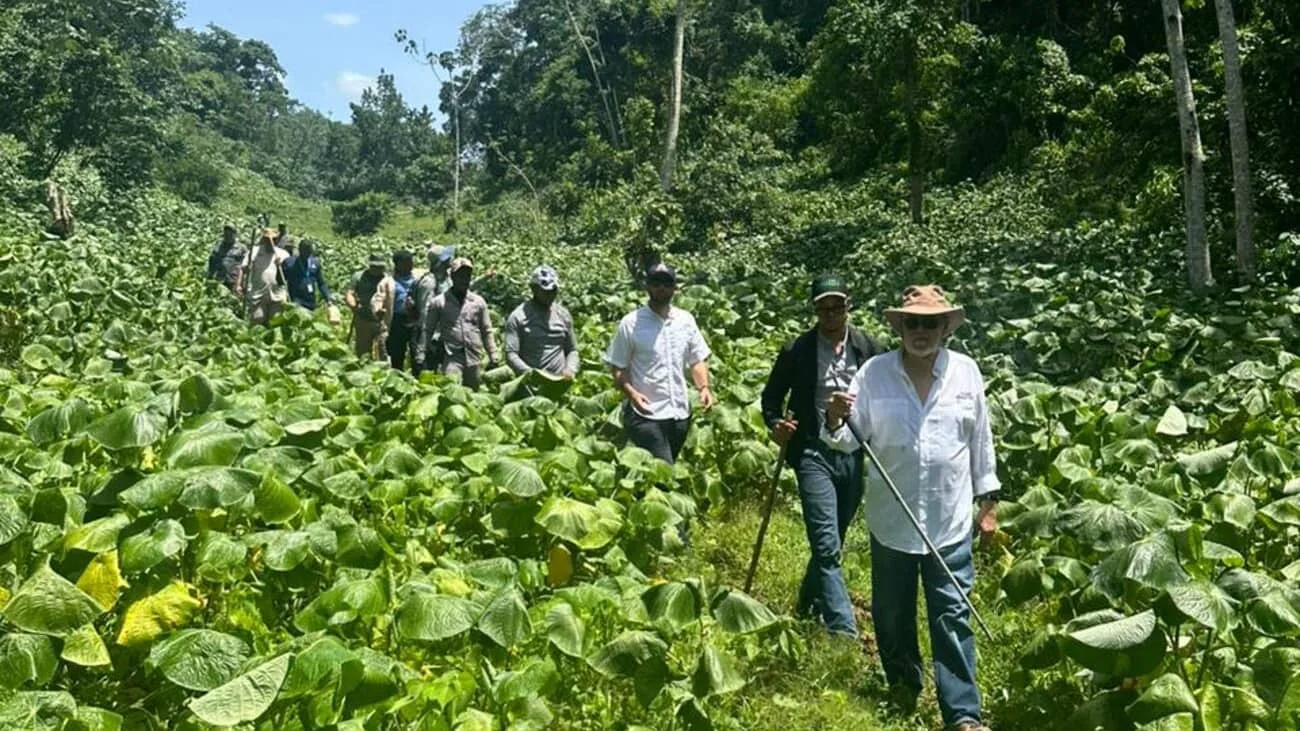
(1243, 198)
(1199, 275)
(675, 101)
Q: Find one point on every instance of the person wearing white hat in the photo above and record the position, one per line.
(539, 333)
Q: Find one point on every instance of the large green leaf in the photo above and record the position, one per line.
(1277, 683)
(506, 620)
(588, 526)
(130, 426)
(213, 445)
(1166, 696)
(246, 697)
(515, 477)
(566, 630)
(51, 605)
(435, 617)
(323, 665)
(1124, 647)
(37, 710)
(26, 659)
(13, 521)
(1102, 526)
(715, 674)
(624, 655)
(143, 551)
(1173, 423)
(1285, 511)
(1151, 562)
(738, 612)
(1204, 602)
(83, 646)
(1208, 463)
(59, 422)
(197, 488)
(674, 604)
(199, 659)
(342, 604)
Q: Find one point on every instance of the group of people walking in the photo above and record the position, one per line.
(921, 408)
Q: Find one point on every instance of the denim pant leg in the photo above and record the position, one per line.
(893, 613)
(952, 640)
(823, 589)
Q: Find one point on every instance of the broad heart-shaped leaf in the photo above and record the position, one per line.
(58, 422)
(537, 678)
(1173, 423)
(1176, 722)
(1074, 463)
(49, 604)
(566, 630)
(157, 614)
(1101, 526)
(515, 477)
(1275, 612)
(435, 617)
(202, 487)
(1024, 580)
(1206, 464)
(143, 551)
(1126, 647)
(673, 603)
(506, 620)
(342, 604)
(1277, 682)
(212, 445)
(1285, 511)
(97, 536)
(37, 711)
(738, 612)
(84, 647)
(1167, 695)
(245, 698)
(1132, 453)
(625, 654)
(26, 659)
(102, 580)
(1151, 562)
(1205, 603)
(1043, 650)
(130, 426)
(89, 718)
(715, 674)
(287, 549)
(323, 664)
(588, 526)
(195, 394)
(1232, 508)
(275, 501)
(398, 460)
(199, 659)
(13, 521)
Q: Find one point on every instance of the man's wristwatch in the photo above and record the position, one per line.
(992, 497)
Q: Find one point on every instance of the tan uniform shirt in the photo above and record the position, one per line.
(464, 328)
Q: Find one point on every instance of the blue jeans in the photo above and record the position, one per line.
(952, 641)
(830, 488)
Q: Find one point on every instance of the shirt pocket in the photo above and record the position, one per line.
(954, 420)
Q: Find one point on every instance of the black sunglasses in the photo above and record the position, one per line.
(922, 323)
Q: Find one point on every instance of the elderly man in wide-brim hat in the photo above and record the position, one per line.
(922, 409)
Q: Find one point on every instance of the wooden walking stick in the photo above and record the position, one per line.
(767, 514)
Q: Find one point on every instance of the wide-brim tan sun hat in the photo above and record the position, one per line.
(926, 300)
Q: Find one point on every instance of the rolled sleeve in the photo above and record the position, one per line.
(843, 439)
(983, 461)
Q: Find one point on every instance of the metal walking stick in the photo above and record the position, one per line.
(917, 524)
(767, 515)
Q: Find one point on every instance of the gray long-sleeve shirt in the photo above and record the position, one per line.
(464, 329)
(542, 339)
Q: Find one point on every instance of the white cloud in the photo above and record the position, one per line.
(342, 20)
(352, 84)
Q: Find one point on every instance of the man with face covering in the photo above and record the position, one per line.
(539, 333)
(463, 327)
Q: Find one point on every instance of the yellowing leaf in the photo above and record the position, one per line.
(85, 647)
(4, 596)
(156, 614)
(559, 565)
(102, 580)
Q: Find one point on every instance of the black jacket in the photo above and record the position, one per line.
(795, 373)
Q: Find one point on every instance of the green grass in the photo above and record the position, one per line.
(837, 684)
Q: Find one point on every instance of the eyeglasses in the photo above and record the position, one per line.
(922, 323)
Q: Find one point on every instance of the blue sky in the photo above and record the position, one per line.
(332, 50)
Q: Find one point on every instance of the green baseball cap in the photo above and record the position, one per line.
(829, 285)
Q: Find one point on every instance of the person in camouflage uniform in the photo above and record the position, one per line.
(226, 260)
(365, 323)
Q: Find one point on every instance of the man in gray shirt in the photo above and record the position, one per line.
(539, 333)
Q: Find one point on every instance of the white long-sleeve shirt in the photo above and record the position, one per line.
(939, 453)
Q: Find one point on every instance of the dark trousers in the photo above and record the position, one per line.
(830, 490)
(664, 438)
(952, 641)
(401, 344)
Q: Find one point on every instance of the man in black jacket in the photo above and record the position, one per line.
(808, 369)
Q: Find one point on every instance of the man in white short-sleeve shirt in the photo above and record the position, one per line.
(922, 409)
(653, 348)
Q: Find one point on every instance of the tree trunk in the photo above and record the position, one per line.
(915, 143)
(605, 98)
(674, 117)
(1199, 275)
(455, 168)
(1241, 187)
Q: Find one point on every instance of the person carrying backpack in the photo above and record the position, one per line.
(394, 304)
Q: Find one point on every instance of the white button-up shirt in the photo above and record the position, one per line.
(657, 351)
(939, 453)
